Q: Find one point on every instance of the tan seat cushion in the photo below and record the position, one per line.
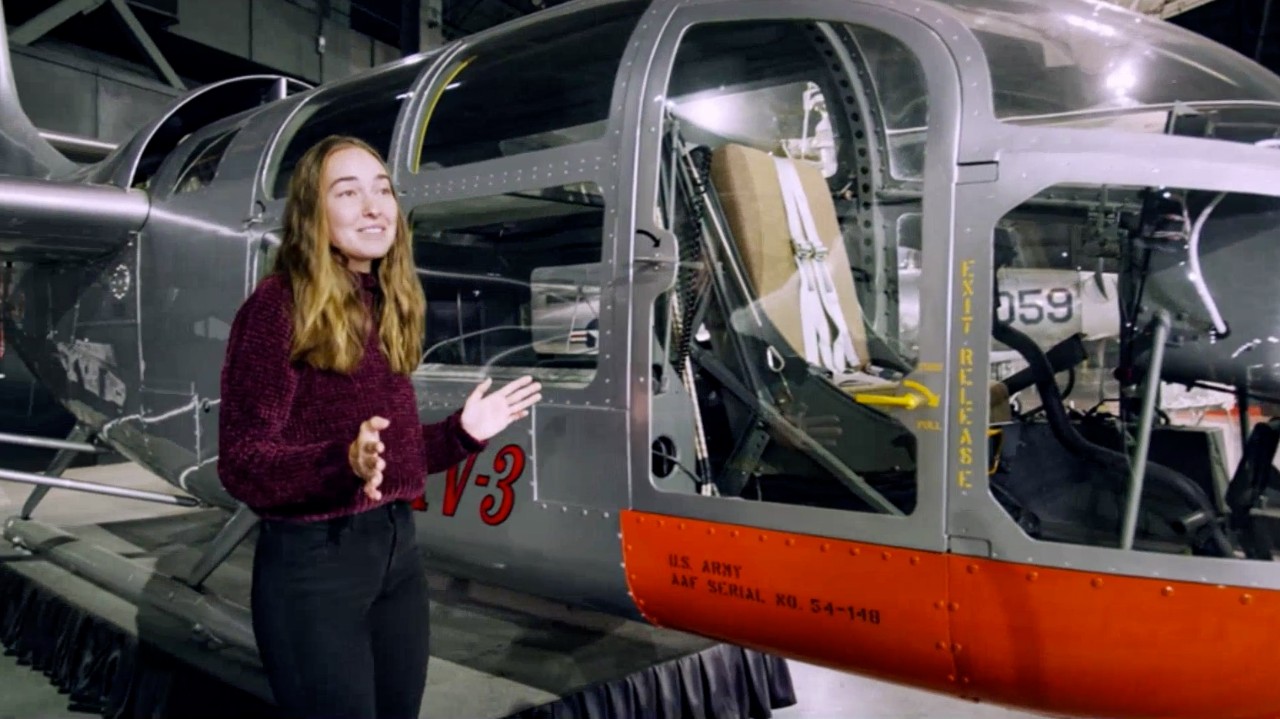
(747, 183)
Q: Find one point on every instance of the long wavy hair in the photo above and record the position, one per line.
(330, 323)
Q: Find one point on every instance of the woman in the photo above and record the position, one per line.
(319, 435)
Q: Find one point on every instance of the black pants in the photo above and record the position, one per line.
(340, 615)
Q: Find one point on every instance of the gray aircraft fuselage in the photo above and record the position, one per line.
(1064, 167)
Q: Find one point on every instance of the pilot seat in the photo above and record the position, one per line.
(787, 234)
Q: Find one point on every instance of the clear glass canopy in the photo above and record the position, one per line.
(1055, 60)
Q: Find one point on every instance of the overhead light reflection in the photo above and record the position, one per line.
(1122, 79)
(1093, 26)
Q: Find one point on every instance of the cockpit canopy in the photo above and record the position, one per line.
(1066, 60)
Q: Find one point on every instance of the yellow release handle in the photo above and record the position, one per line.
(905, 401)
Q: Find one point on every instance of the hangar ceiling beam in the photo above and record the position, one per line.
(147, 44)
(1177, 7)
(60, 12)
(1164, 9)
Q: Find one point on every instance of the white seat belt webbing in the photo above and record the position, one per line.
(820, 309)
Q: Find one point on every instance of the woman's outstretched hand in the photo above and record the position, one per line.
(365, 455)
(484, 417)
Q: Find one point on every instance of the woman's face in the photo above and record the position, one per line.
(360, 207)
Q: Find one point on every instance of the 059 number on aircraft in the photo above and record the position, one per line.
(1035, 305)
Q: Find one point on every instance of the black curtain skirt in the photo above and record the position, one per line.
(104, 669)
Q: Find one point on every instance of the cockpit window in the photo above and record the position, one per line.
(1050, 60)
(513, 283)
(1101, 290)
(546, 86)
(366, 109)
(202, 165)
(764, 85)
(796, 311)
(898, 79)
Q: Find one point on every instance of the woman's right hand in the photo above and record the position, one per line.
(365, 455)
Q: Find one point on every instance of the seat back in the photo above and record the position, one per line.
(747, 184)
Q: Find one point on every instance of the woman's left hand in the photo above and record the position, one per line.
(484, 417)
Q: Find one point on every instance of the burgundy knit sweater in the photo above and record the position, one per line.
(284, 428)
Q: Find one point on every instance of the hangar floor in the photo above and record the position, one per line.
(819, 692)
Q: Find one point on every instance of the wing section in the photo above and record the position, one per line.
(46, 220)
(41, 219)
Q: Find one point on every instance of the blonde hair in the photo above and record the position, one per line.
(330, 323)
